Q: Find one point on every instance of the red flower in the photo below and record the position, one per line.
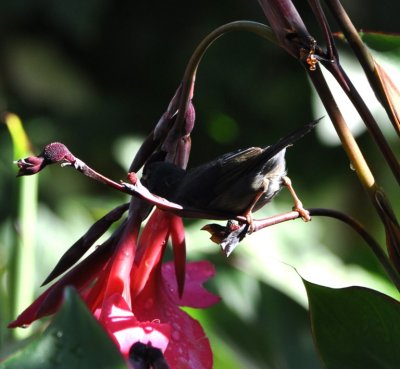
(136, 297)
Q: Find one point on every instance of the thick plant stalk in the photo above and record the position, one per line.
(364, 56)
(332, 63)
(294, 37)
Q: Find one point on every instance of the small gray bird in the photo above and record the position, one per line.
(236, 183)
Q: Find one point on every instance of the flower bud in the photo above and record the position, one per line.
(55, 152)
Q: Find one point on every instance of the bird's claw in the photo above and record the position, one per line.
(304, 213)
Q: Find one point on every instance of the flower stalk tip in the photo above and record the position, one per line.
(52, 153)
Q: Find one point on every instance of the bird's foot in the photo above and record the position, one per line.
(298, 205)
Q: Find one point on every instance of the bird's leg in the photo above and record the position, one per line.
(248, 212)
(298, 206)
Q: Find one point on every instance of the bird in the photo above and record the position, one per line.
(237, 183)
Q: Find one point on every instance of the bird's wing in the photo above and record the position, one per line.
(256, 159)
(236, 165)
(233, 174)
(203, 183)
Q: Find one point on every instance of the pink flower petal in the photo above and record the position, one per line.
(122, 260)
(194, 295)
(150, 250)
(128, 276)
(125, 329)
(189, 347)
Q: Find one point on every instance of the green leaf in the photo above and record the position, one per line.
(354, 327)
(382, 42)
(23, 257)
(21, 144)
(73, 340)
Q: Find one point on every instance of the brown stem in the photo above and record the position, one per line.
(340, 75)
(348, 87)
(326, 31)
(363, 55)
(259, 224)
(82, 167)
(349, 143)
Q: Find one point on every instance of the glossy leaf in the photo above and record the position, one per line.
(73, 340)
(354, 327)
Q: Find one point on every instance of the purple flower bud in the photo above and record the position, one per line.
(190, 117)
(288, 26)
(164, 124)
(55, 152)
(30, 165)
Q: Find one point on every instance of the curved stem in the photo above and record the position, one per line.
(370, 241)
(190, 72)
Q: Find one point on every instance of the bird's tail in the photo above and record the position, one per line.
(289, 139)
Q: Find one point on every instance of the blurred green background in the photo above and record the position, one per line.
(97, 75)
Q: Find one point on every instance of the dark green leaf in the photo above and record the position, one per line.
(73, 340)
(355, 327)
